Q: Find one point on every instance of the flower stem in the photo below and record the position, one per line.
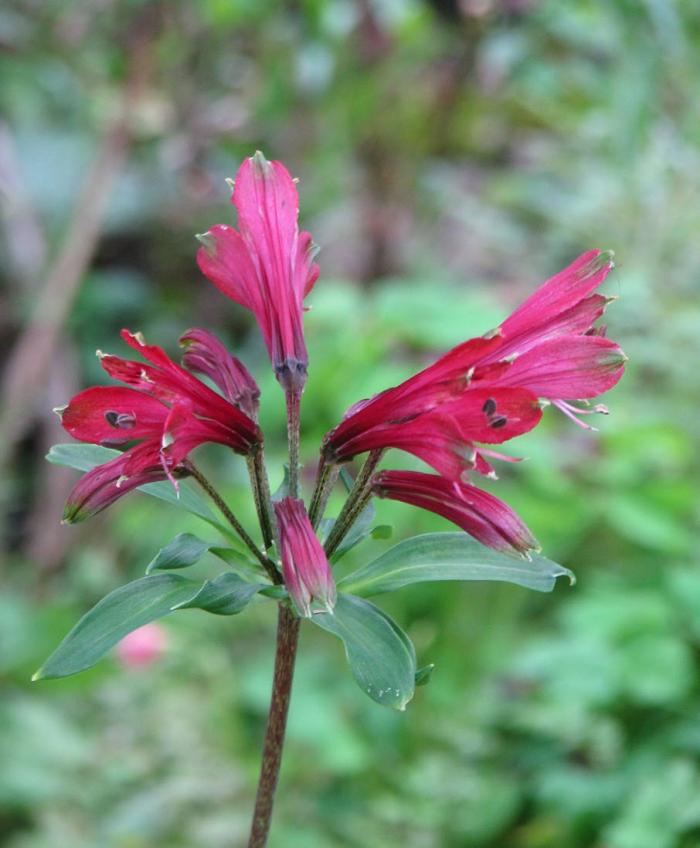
(293, 402)
(325, 480)
(265, 561)
(287, 641)
(356, 502)
(261, 493)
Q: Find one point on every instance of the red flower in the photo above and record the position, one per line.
(169, 410)
(307, 574)
(267, 265)
(488, 389)
(205, 354)
(480, 514)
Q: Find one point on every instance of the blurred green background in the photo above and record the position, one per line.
(452, 155)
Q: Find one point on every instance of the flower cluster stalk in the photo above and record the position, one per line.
(265, 561)
(293, 402)
(326, 477)
(261, 494)
(357, 500)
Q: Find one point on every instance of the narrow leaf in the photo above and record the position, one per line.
(450, 556)
(227, 594)
(120, 612)
(360, 530)
(424, 674)
(381, 656)
(187, 549)
(184, 550)
(282, 491)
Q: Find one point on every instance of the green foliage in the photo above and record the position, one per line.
(119, 613)
(450, 556)
(381, 656)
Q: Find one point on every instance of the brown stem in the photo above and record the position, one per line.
(287, 641)
(293, 401)
(265, 561)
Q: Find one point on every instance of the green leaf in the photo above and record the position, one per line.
(424, 674)
(382, 531)
(120, 612)
(380, 654)
(86, 457)
(227, 594)
(450, 556)
(282, 490)
(184, 550)
(360, 530)
(187, 549)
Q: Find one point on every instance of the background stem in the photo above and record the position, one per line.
(287, 641)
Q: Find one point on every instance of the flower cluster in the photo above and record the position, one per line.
(450, 415)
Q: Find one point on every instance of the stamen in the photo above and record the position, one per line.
(489, 407)
(572, 412)
(120, 420)
(498, 422)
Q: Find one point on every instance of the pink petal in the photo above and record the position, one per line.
(483, 516)
(570, 367)
(307, 574)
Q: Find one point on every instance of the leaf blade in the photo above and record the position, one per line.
(380, 654)
(119, 613)
(449, 556)
(227, 594)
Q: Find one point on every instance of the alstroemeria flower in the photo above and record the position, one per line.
(489, 389)
(307, 574)
(167, 410)
(267, 265)
(205, 354)
(483, 516)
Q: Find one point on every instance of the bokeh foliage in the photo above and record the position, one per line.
(451, 157)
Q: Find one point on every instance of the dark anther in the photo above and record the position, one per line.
(489, 407)
(501, 421)
(120, 420)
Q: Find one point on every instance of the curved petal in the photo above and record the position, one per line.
(569, 367)
(105, 484)
(488, 519)
(113, 415)
(205, 354)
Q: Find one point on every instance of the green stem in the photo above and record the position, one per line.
(357, 500)
(326, 476)
(287, 642)
(293, 402)
(265, 561)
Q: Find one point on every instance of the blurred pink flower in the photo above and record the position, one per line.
(143, 646)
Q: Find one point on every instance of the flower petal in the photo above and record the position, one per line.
(560, 292)
(570, 367)
(307, 574)
(205, 354)
(113, 415)
(105, 484)
(488, 519)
